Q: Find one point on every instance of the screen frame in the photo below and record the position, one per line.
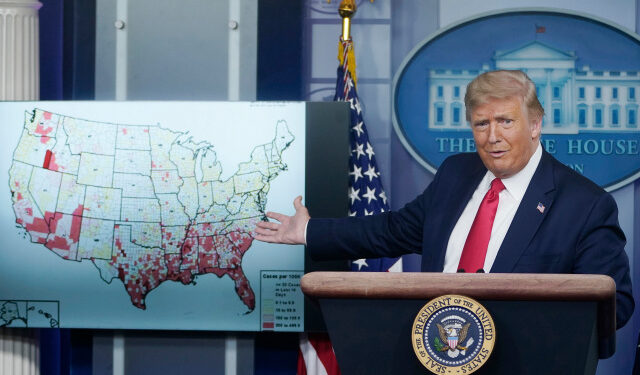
(326, 183)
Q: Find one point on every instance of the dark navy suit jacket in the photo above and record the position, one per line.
(577, 232)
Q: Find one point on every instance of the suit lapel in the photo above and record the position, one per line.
(459, 195)
(528, 218)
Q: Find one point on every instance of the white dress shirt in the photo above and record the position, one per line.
(510, 197)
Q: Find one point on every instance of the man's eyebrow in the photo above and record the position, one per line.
(503, 116)
(498, 117)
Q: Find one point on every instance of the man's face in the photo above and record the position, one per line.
(505, 136)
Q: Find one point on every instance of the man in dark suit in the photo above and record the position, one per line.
(509, 207)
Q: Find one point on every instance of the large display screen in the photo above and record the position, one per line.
(139, 215)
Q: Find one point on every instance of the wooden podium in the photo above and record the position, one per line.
(544, 323)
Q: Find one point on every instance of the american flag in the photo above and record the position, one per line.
(366, 195)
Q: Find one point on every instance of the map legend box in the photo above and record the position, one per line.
(282, 302)
(267, 314)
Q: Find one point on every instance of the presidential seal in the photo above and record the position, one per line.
(453, 335)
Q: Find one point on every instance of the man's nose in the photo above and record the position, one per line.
(494, 132)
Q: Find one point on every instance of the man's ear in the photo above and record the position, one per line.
(536, 127)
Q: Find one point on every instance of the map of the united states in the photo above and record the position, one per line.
(143, 203)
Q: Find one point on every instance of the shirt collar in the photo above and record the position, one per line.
(517, 184)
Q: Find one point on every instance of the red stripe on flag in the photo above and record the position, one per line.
(47, 159)
(324, 350)
(316, 356)
(301, 368)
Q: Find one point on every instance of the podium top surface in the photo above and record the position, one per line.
(421, 285)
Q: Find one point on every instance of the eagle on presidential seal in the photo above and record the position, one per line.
(452, 336)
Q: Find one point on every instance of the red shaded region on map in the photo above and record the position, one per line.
(52, 165)
(142, 270)
(47, 159)
(140, 274)
(242, 241)
(41, 129)
(64, 234)
(36, 226)
(58, 232)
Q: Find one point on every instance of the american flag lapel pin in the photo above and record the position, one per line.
(540, 207)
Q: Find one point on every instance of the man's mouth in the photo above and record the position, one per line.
(497, 154)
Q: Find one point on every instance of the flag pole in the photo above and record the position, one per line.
(346, 10)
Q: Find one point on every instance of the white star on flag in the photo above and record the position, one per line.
(370, 195)
(369, 151)
(353, 194)
(357, 173)
(358, 128)
(358, 108)
(371, 172)
(360, 263)
(351, 101)
(367, 213)
(358, 150)
(350, 84)
(383, 196)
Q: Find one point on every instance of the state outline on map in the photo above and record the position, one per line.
(11, 315)
(199, 247)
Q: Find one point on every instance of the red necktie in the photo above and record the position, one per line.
(475, 247)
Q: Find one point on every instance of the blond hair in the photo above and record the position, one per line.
(503, 84)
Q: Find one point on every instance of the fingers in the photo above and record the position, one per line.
(268, 225)
(264, 232)
(278, 216)
(263, 238)
(297, 203)
(267, 232)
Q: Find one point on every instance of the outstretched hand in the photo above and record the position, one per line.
(290, 230)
